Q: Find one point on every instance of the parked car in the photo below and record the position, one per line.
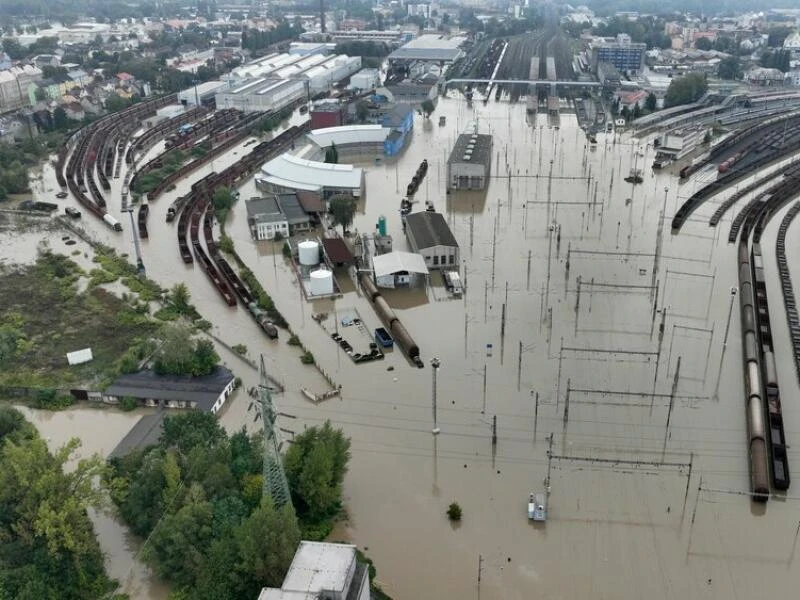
(72, 212)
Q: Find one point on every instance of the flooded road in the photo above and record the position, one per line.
(572, 256)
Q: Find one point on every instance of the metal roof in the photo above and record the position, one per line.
(146, 432)
(349, 134)
(310, 174)
(396, 262)
(430, 47)
(429, 229)
(79, 357)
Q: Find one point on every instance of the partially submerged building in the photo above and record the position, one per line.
(470, 162)
(431, 237)
(399, 269)
(276, 214)
(288, 173)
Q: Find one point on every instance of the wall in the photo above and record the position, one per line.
(439, 257)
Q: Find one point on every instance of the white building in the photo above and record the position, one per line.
(265, 218)
(261, 95)
(431, 237)
(14, 84)
(399, 269)
(322, 571)
(365, 79)
(351, 139)
(201, 92)
(288, 173)
(792, 42)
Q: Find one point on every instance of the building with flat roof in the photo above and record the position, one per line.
(430, 47)
(265, 219)
(430, 236)
(622, 53)
(470, 162)
(199, 94)
(207, 393)
(288, 173)
(322, 571)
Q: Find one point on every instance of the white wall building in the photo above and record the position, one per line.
(259, 94)
(288, 173)
(365, 79)
(14, 84)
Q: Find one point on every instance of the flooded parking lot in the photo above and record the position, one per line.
(605, 334)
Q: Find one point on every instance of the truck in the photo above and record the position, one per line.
(452, 282)
(112, 222)
(537, 507)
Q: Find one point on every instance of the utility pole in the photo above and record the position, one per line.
(671, 403)
(566, 404)
(730, 312)
(494, 430)
(435, 364)
(519, 364)
(549, 462)
(483, 410)
(535, 414)
(276, 485)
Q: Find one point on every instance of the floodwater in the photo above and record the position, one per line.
(644, 500)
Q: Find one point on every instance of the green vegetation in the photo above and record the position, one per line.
(226, 244)
(47, 545)
(315, 465)
(294, 340)
(778, 59)
(49, 399)
(363, 49)
(223, 200)
(128, 404)
(263, 299)
(454, 511)
(44, 317)
(17, 159)
(240, 349)
(730, 68)
(179, 354)
(342, 209)
(198, 497)
(170, 162)
(332, 154)
(686, 89)
(306, 357)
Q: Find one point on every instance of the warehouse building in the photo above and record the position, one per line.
(261, 95)
(429, 48)
(288, 173)
(202, 93)
(470, 162)
(430, 236)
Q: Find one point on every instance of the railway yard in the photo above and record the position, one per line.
(620, 349)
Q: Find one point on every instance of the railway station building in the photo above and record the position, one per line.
(470, 162)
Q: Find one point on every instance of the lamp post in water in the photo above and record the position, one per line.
(435, 364)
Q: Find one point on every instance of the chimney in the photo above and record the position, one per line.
(322, 15)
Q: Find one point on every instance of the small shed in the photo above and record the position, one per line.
(78, 357)
(339, 255)
(399, 269)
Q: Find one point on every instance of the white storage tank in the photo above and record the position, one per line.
(321, 282)
(308, 251)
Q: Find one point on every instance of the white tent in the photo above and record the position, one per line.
(396, 268)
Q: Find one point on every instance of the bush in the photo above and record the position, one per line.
(294, 341)
(454, 511)
(240, 349)
(128, 403)
(49, 399)
(287, 250)
(307, 358)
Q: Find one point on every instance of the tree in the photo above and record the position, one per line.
(342, 210)
(703, 43)
(179, 354)
(362, 110)
(332, 154)
(115, 103)
(179, 296)
(315, 466)
(268, 540)
(730, 68)
(454, 511)
(428, 107)
(686, 89)
(650, 102)
(187, 430)
(60, 119)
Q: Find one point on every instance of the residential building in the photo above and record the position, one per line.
(322, 571)
(298, 219)
(470, 162)
(207, 393)
(5, 61)
(14, 85)
(430, 236)
(622, 53)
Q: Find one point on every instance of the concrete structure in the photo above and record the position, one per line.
(470, 162)
(265, 219)
(207, 393)
(430, 236)
(430, 47)
(201, 93)
(677, 143)
(14, 87)
(399, 269)
(261, 95)
(288, 173)
(764, 77)
(320, 71)
(622, 53)
(411, 92)
(351, 139)
(608, 76)
(322, 571)
(309, 48)
(389, 36)
(365, 79)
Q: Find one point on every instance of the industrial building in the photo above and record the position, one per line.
(678, 143)
(328, 113)
(413, 92)
(430, 236)
(431, 48)
(276, 214)
(622, 53)
(261, 95)
(322, 571)
(202, 93)
(365, 79)
(351, 140)
(288, 173)
(470, 162)
(399, 269)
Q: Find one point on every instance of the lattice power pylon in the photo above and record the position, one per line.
(275, 482)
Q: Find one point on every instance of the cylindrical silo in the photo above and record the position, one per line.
(382, 226)
(308, 251)
(321, 282)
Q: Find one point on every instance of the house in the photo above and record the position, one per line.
(632, 99)
(265, 218)
(14, 86)
(429, 235)
(5, 61)
(207, 393)
(323, 571)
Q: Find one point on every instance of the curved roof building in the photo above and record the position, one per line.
(289, 173)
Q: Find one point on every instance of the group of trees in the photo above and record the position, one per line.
(180, 354)
(686, 89)
(198, 498)
(254, 39)
(777, 59)
(48, 550)
(649, 30)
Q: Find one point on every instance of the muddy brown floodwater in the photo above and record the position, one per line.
(578, 363)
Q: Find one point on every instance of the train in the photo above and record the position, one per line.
(387, 315)
(416, 180)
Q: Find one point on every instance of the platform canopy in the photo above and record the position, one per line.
(398, 262)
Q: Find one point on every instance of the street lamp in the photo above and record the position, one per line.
(435, 364)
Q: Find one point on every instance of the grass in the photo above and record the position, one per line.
(45, 317)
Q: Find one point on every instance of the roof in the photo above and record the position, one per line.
(397, 262)
(429, 47)
(316, 567)
(397, 115)
(291, 208)
(430, 229)
(146, 432)
(264, 210)
(349, 134)
(203, 391)
(124, 76)
(481, 145)
(311, 202)
(337, 251)
(310, 175)
(79, 356)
